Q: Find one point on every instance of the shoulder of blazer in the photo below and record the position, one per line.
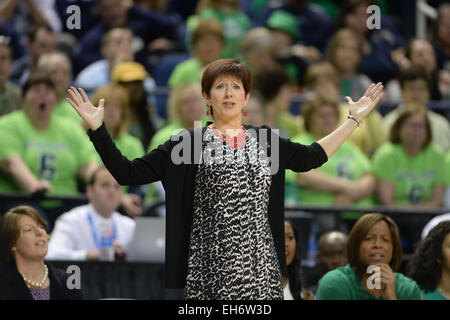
(12, 286)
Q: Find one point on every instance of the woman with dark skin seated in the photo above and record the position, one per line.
(224, 201)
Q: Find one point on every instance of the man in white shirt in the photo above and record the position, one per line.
(80, 233)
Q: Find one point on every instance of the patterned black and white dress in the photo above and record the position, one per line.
(231, 249)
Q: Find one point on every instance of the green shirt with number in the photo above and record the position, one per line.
(414, 177)
(55, 154)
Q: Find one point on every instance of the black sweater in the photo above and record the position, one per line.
(13, 287)
(178, 181)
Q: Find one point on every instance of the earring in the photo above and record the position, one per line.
(244, 113)
(207, 112)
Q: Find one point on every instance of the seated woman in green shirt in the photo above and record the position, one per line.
(430, 265)
(346, 178)
(117, 120)
(374, 254)
(410, 171)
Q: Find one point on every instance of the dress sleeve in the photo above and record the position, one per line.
(143, 170)
(301, 158)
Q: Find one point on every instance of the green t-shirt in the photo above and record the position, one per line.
(130, 146)
(235, 26)
(447, 170)
(54, 155)
(189, 71)
(164, 134)
(414, 177)
(343, 284)
(433, 295)
(64, 109)
(347, 162)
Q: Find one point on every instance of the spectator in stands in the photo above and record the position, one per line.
(410, 171)
(185, 106)
(441, 37)
(331, 254)
(322, 79)
(315, 25)
(258, 49)
(41, 152)
(59, 68)
(410, 168)
(347, 176)
(10, 93)
(345, 52)
(116, 47)
(415, 85)
(284, 28)
(153, 30)
(25, 13)
(117, 120)
(41, 40)
(272, 84)
(143, 117)
(373, 241)
(24, 244)
(293, 285)
(430, 264)
(235, 24)
(207, 44)
(378, 45)
(79, 233)
(419, 52)
(433, 223)
(255, 112)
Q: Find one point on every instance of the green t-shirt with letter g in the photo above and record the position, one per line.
(414, 176)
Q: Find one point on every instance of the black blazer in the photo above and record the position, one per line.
(179, 179)
(13, 287)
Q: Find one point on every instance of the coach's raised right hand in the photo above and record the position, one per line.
(87, 111)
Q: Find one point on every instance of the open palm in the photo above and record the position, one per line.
(368, 101)
(84, 107)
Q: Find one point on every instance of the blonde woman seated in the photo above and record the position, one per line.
(322, 79)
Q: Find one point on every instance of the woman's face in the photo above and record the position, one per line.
(413, 132)
(290, 243)
(113, 113)
(376, 246)
(284, 98)
(32, 243)
(326, 88)
(415, 91)
(446, 253)
(255, 113)
(208, 48)
(324, 120)
(39, 101)
(422, 53)
(227, 98)
(191, 106)
(346, 56)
